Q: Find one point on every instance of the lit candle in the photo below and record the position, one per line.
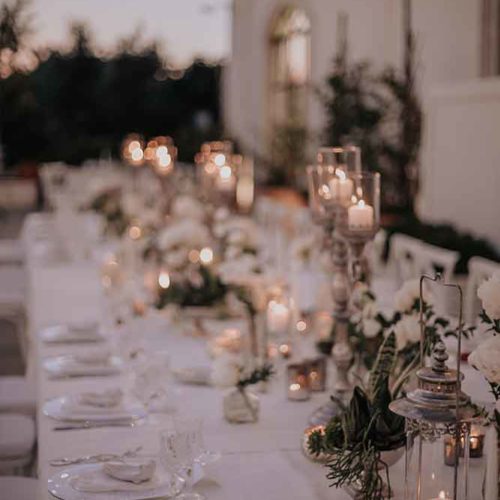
(226, 181)
(442, 496)
(341, 188)
(298, 382)
(317, 374)
(278, 317)
(360, 217)
(206, 256)
(164, 280)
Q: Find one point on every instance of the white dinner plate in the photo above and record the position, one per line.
(69, 366)
(65, 334)
(59, 485)
(60, 409)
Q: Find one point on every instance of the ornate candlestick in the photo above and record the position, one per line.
(330, 193)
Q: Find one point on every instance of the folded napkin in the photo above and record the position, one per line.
(84, 327)
(110, 398)
(94, 357)
(134, 472)
(99, 479)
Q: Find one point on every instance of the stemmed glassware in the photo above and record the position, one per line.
(179, 451)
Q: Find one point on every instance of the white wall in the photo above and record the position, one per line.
(457, 115)
(462, 176)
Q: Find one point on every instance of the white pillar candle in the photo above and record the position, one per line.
(360, 217)
(341, 188)
(278, 317)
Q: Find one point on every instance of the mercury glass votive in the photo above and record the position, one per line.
(298, 387)
(317, 374)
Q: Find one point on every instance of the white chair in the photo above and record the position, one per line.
(18, 488)
(17, 440)
(11, 251)
(404, 257)
(17, 395)
(479, 269)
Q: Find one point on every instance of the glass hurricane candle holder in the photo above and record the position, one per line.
(360, 220)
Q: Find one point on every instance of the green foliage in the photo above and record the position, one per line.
(77, 105)
(355, 439)
(380, 113)
(262, 374)
(108, 204)
(494, 323)
(210, 292)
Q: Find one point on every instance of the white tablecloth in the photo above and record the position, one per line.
(259, 461)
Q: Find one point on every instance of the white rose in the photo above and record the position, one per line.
(371, 328)
(489, 293)
(486, 359)
(407, 330)
(225, 371)
(410, 291)
(370, 310)
(187, 207)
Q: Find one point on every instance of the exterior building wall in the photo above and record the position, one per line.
(448, 59)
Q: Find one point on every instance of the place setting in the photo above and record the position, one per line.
(89, 363)
(134, 475)
(81, 332)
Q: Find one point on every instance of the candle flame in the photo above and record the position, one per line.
(341, 175)
(219, 160)
(225, 172)
(206, 255)
(361, 203)
(164, 280)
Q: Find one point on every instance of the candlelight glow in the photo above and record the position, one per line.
(164, 280)
(301, 325)
(295, 387)
(225, 172)
(134, 232)
(206, 255)
(219, 160)
(194, 256)
(137, 154)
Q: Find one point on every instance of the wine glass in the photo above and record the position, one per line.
(179, 449)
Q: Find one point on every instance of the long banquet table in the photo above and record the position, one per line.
(259, 461)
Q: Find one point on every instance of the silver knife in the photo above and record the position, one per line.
(70, 427)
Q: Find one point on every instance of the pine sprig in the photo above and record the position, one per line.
(258, 375)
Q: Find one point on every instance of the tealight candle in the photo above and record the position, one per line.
(297, 382)
(360, 217)
(317, 374)
(341, 188)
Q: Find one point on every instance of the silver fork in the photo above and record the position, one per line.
(91, 459)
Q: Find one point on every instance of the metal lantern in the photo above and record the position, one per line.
(438, 414)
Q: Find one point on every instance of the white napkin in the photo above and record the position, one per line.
(134, 472)
(94, 357)
(96, 480)
(110, 398)
(84, 327)
(65, 333)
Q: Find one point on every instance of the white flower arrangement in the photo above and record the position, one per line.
(408, 296)
(187, 207)
(486, 359)
(238, 236)
(489, 293)
(407, 331)
(184, 235)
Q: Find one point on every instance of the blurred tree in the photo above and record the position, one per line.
(81, 105)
